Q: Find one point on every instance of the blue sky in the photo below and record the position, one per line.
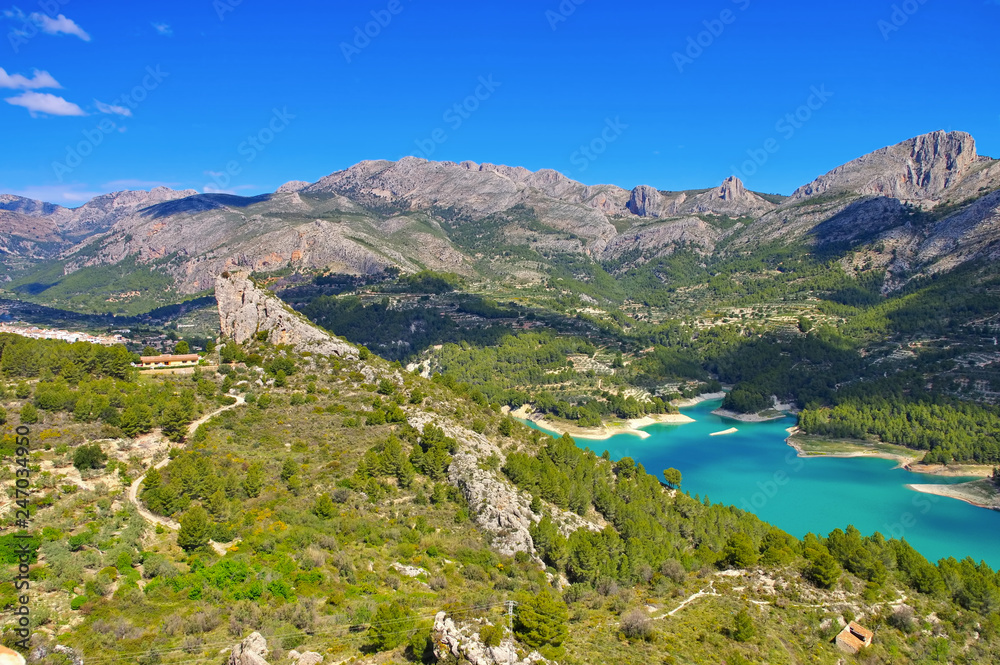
(241, 96)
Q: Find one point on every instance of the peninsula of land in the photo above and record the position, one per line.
(981, 492)
(607, 430)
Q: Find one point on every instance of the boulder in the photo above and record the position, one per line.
(251, 651)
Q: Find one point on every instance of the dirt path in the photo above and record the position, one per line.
(133, 490)
(707, 591)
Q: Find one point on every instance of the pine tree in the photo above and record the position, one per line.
(541, 621)
(745, 629)
(174, 421)
(390, 625)
(152, 480)
(29, 414)
(673, 478)
(136, 419)
(824, 571)
(194, 529)
(324, 507)
(253, 482)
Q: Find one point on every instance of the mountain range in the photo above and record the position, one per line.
(922, 206)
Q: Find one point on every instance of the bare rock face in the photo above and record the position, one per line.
(245, 310)
(662, 238)
(919, 168)
(646, 201)
(497, 506)
(730, 198)
(251, 651)
(292, 186)
(732, 189)
(463, 642)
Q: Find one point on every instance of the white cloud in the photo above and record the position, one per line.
(59, 25)
(164, 29)
(113, 109)
(20, 82)
(68, 195)
(43, 102)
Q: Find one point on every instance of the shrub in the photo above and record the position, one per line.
(77, 602)
(389, 626)
(29, 414)
(902, 619)
(89, 457)
(636, 625)
(491, 636)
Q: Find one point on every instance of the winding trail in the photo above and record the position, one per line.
(133, 490)
(707, 591)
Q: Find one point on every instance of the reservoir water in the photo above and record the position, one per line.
(754, 469)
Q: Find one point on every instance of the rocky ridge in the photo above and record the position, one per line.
(246, 310)
(498, 507)
(416, 214)
(918, 169)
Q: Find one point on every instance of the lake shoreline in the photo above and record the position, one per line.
(910, 461)
(976, 493)
(686, 402)
(748, 417)
(606, 430)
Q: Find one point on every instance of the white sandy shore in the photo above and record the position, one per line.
(978, 493)
(603, 432)
(693, 401)
(746, 417)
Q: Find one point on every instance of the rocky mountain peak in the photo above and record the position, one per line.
(292, 186)
(919, 168)
(645, 201)
(732, 189)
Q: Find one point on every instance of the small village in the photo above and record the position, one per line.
(35, 332)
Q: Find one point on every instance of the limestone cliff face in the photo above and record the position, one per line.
(245, 310)
(920, 168)
(730, 198)
(498, 507)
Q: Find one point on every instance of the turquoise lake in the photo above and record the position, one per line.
(754, 469)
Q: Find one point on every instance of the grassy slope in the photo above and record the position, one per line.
(353, 552)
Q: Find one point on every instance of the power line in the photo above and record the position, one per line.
(510, 631)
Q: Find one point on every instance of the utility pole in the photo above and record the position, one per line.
(510, 631)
